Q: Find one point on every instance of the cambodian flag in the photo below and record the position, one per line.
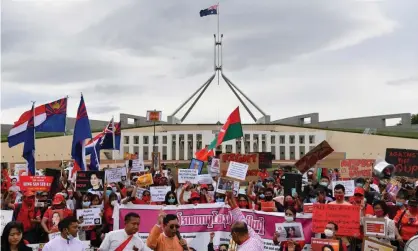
(82, 132)
(29, 146)
(48, 118)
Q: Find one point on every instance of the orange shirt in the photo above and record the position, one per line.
(409, 224)
(158, 241)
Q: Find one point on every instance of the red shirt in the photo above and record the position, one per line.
(263, 175)
(409, 225)
(108, 216)
(25, 215)
(53, 218)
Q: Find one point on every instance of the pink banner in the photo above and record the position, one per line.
(205, 218)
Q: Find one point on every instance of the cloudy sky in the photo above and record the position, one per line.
(339, 58)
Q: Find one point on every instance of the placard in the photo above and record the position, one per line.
(372, 245)
(313, 156)
(138, 165)
(204, 179)
(197, 165)
(307, 208)
(6, 217)
(155, 160)
(347, 217)
(158, 193)
(332, 161)
(237, 170)
(265, 160)
(190, 175)
(20, 169)
(348, 185)
(319, 244)
(130, 156)
(54, 219)
(225, 185)
(375, 227)
(290, 231)
(145, 180)
(354, 168)
(36, 183)
(250, 159)
(89, 181)
(154, 116)
(89, 217)
(404, 160)
(114, 175)
(215, 166)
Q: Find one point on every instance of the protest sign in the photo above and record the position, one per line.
(293, 231)
(250, 159)
(6, 217)
(89, 181)
(347, 217)
(129, 156)
(140, 192)
(392, 189)
(307, 208)
(354, 168)
(36, 183)
(332, 161)
(404, 160)
(20, 169)
(114, 175)
(197, 165)
(373, 245)
(225, 185)
(54, 219)
(145, 180)
(319, 244)
(215, 167)
(196, 221)
(204, 179)
(265, 159)
(190, 175)
(89, 217)
(348, 185)
(375, 227)
(138, 165)
(237, 170)
(40, 246)
(158, 193)
(313, 156)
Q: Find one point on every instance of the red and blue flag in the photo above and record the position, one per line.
(212, 10)
(29, 143)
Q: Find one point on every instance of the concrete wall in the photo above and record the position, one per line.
(299, 120)
(137, 121)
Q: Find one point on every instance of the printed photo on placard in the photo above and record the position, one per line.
(197, 165)
(290, 231)
(156, 160)
(90, 181)
(225, 185)
(54, 218)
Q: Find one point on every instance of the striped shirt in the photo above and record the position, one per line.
(254, 243)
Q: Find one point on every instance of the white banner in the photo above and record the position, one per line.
(89, 217)
(158, 193)
(114, 175)
(189, 175)
(138, 165)
(6, 217)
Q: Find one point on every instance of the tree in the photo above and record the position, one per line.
(414, 119)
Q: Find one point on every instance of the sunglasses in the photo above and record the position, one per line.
(174, 226)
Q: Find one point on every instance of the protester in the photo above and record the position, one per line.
(330, 232)
(59, 206)
(381, 211)
(170, 198)
(339, 193)
(12, 237)
(289, 217)
(124, 239)
(67, 240)
(407, 221)
(222, 247)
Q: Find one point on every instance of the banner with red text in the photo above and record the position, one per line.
(198, 221)
(36, 183)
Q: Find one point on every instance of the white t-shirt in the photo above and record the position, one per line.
(62, 244)
(115, 238)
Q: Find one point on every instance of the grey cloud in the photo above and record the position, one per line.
(102, 109)
(403, 81)
(16, 97)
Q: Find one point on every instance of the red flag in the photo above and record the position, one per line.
(203, 154)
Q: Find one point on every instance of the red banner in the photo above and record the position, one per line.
(36, 183)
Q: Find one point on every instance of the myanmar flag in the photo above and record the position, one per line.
(232, 128)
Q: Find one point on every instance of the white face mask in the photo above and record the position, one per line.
(288, 218)
(328, 233)
(114, 189)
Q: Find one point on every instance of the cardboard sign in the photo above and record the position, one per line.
(215, 166)
(375, 227)
(204, 179)
(347, 217)
(354, 168)
(138, 165)
(36, 183)
(197, 165)
(86, 181)
(116, 174)
(290, 231)
(404, 160)
(145, 180)
(372, 245)
(6, 217)
(190, 175)
(313, 156)
(332, 161)
(250, 159)
(158, 193)
(237, 170)
(89, 216)
(348, 185)
(319, 244)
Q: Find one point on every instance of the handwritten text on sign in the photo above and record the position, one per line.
(158, 193)
(353, 168)
(347, 217)
(237, 170)
(252, 160)
(190, 175)
(36, 183)
(115, 174)
(404, 160)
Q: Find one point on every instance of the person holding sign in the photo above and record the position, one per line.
(290, 216)
(339, 194)
(381, 211)
(58, 205)
(330, 233)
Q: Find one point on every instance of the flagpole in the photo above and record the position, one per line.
(218, 38)
(113, 135)
(65, 126)
(34, 137)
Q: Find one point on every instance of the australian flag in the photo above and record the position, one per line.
(212, 10)
(93, 148)
(112, 138)
(82, 132)
(29, 146)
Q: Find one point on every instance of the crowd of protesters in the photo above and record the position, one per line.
(33, 223)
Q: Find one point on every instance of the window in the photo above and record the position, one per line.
(247, 137)
(136, 140)
(155, 139)
(145, 152)
(292, 139)
(273, 139)
(164, 139)
(282, 139)
(164, 153)
(273, 150)
(301, 151)
(263, 137)
(126, 140)
(145, 140)
(301, 139)
(292, 152)
(311, 139)
(228, 148)
(131, 121)
(282, 153)
(136, 149)
(263, 146)
(126, 149)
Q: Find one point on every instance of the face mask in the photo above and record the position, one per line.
(379, 213)
(339, 197)
(288, 218)
(114, 202)
(29, 201)
(328, 233)
(108, 192)
(261, 196)
(359, 185)
(324, 184)
(171, 200)
(289, 202)
(268, 198)
(86, 203)
(242, 204)
(358, 201)
(399, 204)
(114, 189)
(65, 195)
(219, 199)
(70, 193)
(312, 200)
(70, 236)
(146, 198)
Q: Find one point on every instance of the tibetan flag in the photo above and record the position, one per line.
(232, 129)
(82, 132)
(212, 10)
(29, 146)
